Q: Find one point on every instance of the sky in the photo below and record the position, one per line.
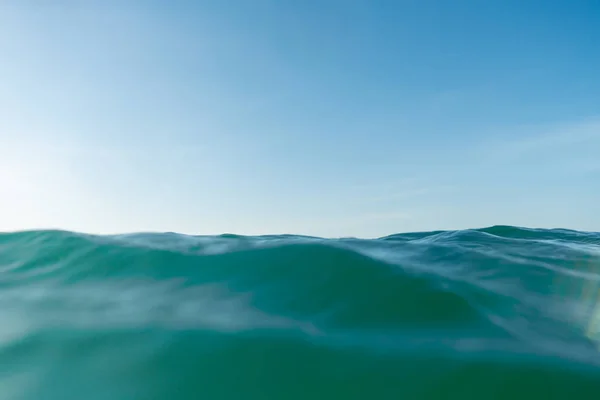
(329, 118)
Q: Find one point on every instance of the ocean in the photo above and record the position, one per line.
(495, 313)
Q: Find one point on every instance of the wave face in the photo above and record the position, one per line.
(500, 312)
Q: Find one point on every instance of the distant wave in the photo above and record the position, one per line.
(498, 312)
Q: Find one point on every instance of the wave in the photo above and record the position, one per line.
(499, 307)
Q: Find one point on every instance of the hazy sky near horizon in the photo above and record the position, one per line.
(329, 118)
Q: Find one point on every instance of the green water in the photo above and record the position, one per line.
(495, 313)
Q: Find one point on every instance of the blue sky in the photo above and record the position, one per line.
(329, 118)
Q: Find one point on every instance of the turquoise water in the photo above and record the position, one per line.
(500, 312)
